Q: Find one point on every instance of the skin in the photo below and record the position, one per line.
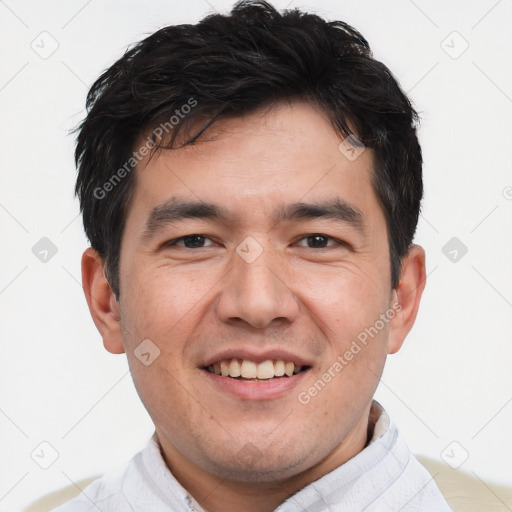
(241, 454)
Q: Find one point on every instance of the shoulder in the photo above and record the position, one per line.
(416, 490)
(398, 480)
(108, 492)
(409, 486)
(105, 493)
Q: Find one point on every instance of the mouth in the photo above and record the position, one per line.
(247, 370)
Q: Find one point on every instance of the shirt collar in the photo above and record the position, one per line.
(313, 496)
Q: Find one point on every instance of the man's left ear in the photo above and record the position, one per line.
(408, 295)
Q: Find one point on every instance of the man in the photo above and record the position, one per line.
(251, 186)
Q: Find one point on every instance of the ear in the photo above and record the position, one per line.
(406, 297)
(102, 301)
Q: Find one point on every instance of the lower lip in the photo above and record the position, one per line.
(255, 390)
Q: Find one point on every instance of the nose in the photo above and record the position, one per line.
(257, 293)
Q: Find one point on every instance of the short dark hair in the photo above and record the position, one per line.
(231, 65)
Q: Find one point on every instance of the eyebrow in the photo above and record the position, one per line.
(334, 209)
(175, 210)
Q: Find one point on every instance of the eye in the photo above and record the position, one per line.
(190, 241)
(319, 241)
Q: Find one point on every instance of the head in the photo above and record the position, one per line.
(250, 186)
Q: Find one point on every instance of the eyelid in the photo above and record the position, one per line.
(174, 241)
(337, 241)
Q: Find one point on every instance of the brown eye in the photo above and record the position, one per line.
(190, 241)
(318, 241)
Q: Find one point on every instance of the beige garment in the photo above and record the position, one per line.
(465, 492)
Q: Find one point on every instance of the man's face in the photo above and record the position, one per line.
(265, 280)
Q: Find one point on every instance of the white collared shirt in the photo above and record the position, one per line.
(383, 477)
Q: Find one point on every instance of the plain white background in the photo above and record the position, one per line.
(450, 382)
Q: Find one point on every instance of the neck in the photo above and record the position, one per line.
(216, 494)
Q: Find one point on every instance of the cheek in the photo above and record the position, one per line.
(162, 302)
(162, 305)
(347, 306)
(166, 398)
(345, 300)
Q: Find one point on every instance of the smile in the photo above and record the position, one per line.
(245, 369)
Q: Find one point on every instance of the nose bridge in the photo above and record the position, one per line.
(256, 289)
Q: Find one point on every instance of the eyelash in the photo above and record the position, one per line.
(337, 242)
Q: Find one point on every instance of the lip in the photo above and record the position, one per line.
(257, 357)
(255, 390)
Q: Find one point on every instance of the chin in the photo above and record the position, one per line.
(251, 465)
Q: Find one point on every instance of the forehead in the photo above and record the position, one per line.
(287, 153)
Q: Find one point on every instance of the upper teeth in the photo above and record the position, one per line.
(251, 370)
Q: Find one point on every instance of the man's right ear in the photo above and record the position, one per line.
(102, 301)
